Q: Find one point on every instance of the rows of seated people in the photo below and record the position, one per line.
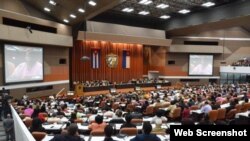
(97, 83)
(127, 112)
(242, 62)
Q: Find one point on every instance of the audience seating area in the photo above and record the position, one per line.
(127, 112)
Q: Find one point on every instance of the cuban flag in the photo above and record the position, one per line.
(125, 59)
(95, 58)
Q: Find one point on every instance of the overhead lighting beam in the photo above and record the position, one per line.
(184, 11)
(208, 4)
(92, 3)
(145, 2)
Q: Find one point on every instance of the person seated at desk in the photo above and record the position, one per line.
(98, 124)
(171, 108)
(108, 130)
(71, 135)
(118, 117)
(36, 126)
(158, 116)
(206, 108)
(29, 110)
(146, 136)
(128, 123)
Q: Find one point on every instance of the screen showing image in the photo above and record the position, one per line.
(200, 64)
(23, 63)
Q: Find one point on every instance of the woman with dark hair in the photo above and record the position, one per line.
(72, 117)
(36, 125)
(108, 130)
(36, 112)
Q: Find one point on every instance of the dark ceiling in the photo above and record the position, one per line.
(111, 11)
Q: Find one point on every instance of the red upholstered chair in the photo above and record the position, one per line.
(213, 115)
(38, 135)
(129, 131)
(221, 114)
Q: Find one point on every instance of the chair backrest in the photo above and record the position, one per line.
(238, 108)
(78, 121)
(245, 107)
(213, 115)
(129, 131)
(28, 122)
(221, 114)
(231, 114)
(135, 120)
(176, 113)
(115, 106)
(130, 107)
(149, 110)
(44, 114)
(97, 133)
(194, 107)
(38, 135)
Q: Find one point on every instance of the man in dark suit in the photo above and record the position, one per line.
(71, 135)
(128, 123)
(146, 136)
(8, 125)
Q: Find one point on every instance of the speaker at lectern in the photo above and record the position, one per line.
(79, 90)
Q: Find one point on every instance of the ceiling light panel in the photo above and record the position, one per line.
(72, 16)
(46, 9)
(162, 6)
(92, 3)
(208, 4)
(128, 10)
(66, 21)
(165, 17)
(52, 2)
(81, 10)
(184, 11)
(143, 12)
(145, 2)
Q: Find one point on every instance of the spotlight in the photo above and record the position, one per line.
(29, 28)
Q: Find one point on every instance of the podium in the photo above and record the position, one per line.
(79, 90)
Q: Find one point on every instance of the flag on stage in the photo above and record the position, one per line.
(95, 58)
(125, 59)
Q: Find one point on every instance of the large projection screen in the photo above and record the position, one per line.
(200, 64)
(22, 63)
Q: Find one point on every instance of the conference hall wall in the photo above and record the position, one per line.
(83, 70)
(156, 58)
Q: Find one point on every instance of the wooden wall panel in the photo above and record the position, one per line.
(82, 70)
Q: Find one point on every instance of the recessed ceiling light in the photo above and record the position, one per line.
(92, 3)
(46, 9)
(52, 2)
(145, 2)
(162, 6)
(165, 17)
(184, 11)
(208, 4)
(72, 16)
(66, 21)
(143, 13)
(128, 10)
(81, 10)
